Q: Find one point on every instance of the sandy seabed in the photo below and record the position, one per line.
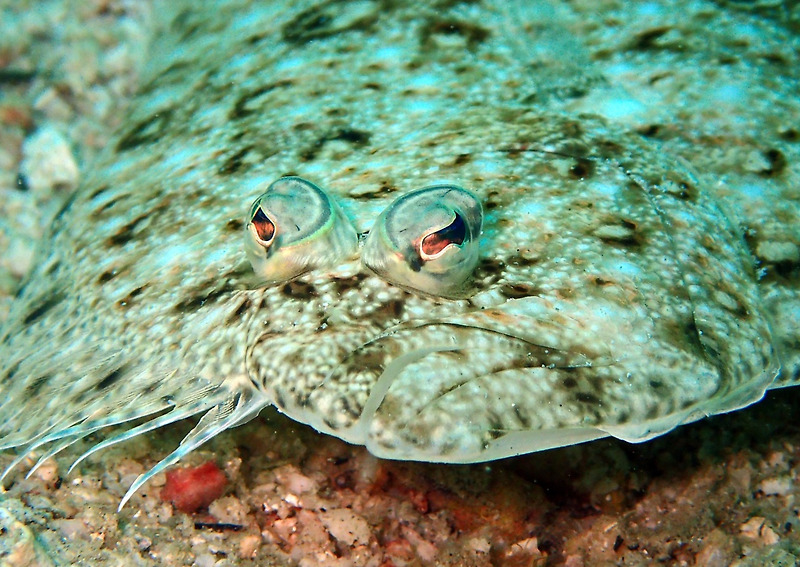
(720, 492)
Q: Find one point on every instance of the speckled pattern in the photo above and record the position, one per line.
(615, 294)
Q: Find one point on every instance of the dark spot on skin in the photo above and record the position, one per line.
(650, 130)
(126, 233)
(373, 86)
(518, 290)
(693, 337)
(346, 408)
(488, 272)
(522, 418)
(740, 310)
(324, 325)
(495, 432)
(107, 276)
(299, 289)
(790, 134)
(16, 76)
(461, 159)
(776, 59)
(570, 382)
(280, 401)
(197, 300)
(99, 191)
(234, 163)
(567, 92)
(97, 213)
(607, 149)
(652, 412)
(395, 308)
(472, 33)
(629, 237)
(447, 4)
(52, 268)
(22, 183)
(522, 260)
(65, 207)
(325, 20)
(444, 391)
(777, 163)
(346, 284)
(490, 266)
(369, 357)
(244, 107)
(574, 149)
(587, 398)
(241, 310)
(358, 138)
(11, 372)
(32, 389)
(493, 200)
(110, 379)
(646, 40)
(682, 189)
(256, 38)
(787, 269)
(234, 225)
(128, 299)
(43, 308)
(582, 169)
(382, 190)
(655, 384)
(162, 78)
(146, 131)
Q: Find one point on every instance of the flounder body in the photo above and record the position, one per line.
(462, 250)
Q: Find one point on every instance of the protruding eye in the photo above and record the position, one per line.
(427, 240)
(295, 227)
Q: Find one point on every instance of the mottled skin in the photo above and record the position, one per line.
(613, 294)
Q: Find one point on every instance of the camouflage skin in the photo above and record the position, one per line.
(609, 288)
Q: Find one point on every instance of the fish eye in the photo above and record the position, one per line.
(294, 227)
(427, 240)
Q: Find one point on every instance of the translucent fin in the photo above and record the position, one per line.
(238, 408)
(57, 448)
(160, 421)
(17, 429)
(69, 435)
(32, 446)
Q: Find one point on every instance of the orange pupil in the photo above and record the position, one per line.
(454, 233)
(265, 228)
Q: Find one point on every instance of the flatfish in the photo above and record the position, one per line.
(431, 229)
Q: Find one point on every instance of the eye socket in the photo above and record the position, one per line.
(294, 227)
(427, 240)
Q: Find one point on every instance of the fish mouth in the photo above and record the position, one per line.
(530, 375)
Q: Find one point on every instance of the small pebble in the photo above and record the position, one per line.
(48, 163)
